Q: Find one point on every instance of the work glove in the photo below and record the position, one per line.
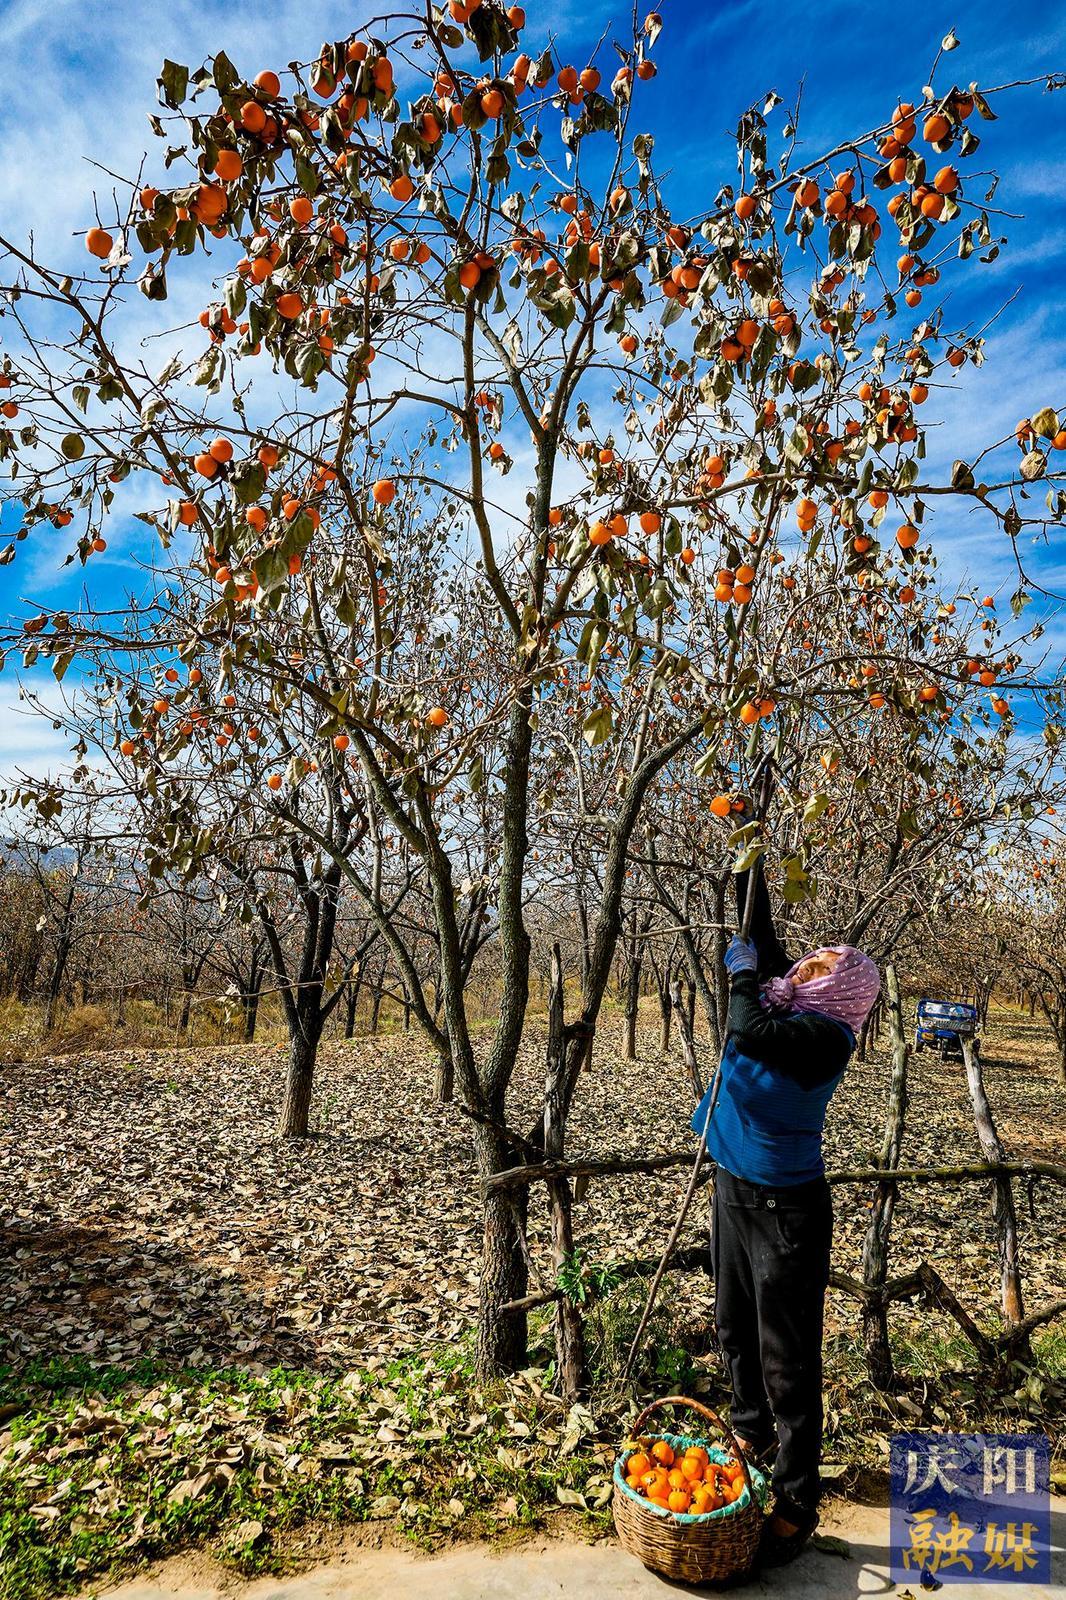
(740, 956)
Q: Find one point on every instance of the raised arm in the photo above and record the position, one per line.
(806, 1047)
(774, 960)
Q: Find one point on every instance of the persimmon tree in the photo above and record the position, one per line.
(881, 799)
(487, 412)
(1024, 897)
(216, 846)
(21, 928)
(62, 850)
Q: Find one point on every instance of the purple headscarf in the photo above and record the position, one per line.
(847, 994)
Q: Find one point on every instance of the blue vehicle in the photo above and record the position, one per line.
(943, 1024)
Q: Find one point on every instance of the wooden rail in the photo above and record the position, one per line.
(612, 1166)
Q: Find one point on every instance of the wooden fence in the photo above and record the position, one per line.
(568, 1178)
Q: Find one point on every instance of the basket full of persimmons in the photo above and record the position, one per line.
(686, 1507)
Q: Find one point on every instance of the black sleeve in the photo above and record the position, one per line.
(807, 1048)
(773, 958)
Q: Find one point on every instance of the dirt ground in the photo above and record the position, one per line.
(212, 1340)
(146, 1207)
(542, 1570)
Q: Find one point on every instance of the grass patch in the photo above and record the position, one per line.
(104, 1028)
(104, 1468)
(938, 1387)
(667, 1359)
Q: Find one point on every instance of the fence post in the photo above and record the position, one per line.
(1004, 1212)
(569, 1334)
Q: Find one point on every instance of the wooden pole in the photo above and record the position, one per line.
(569, 1334)
(537, 1171)
(1005, 1214)
(878, 1232)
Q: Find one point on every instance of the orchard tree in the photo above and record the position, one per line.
(488, 415)
(21, 927)
(1027, 898)
(62, 848)
(894, 775)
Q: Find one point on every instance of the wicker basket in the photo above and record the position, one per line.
(718, 1546)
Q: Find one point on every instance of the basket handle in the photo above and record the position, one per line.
(709, 1416)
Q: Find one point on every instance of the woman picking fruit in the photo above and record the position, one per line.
(792, 1029)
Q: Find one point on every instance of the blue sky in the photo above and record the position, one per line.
(76, 80)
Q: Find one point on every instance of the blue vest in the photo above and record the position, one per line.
(766, 1127)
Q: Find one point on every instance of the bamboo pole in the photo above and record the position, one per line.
(693, 1182)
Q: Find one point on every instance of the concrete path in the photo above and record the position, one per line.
(550, 1570)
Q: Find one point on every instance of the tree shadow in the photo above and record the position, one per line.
(866, 1570)
(93, 1294)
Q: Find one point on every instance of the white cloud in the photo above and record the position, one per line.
(28, 741)
(46, 183)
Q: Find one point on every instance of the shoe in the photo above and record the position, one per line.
(778, 1549)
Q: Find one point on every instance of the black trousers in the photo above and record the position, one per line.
(770, 1251)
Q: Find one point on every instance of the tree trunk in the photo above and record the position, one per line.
(351, 1003)
(630, 1053)
(186, 1011)
(55, 985)
(666, 1012)
(864, 1037)
(875, 1249)
(984, 998)
(633, 972)
(294, 1122)
(501, 1338)
(250, 1009)
(375, 1009)
(1006, 1217)
(445, 1080)
(688, 1040)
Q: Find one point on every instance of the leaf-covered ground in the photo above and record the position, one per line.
(206, 1330)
